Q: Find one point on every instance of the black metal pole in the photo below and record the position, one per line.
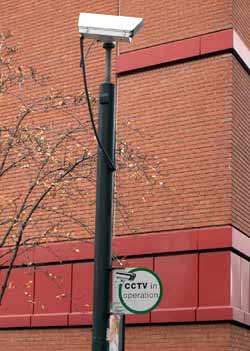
(104, 210)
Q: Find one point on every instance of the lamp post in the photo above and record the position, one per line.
(107, 29)
(104, 210)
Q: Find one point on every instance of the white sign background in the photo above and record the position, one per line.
(138, 295)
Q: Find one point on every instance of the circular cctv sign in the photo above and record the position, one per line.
(142, 293)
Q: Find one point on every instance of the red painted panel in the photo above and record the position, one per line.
(241, 242)
(174, 241)
(238, 315)
(147, 262)
(217, 41)
(49, 320)
(179, 275)
(218, 313)
(235, 281)
(15, 321)
(173, 315)
(65, 251)
(82, 288)
(53, 289)
(164, 242)
(247, 318)
(25, 256)
(137, 318)
(214, 279)
(158, 55)
(19, 290)
(245, 285)
(79, 318)
(209, 238)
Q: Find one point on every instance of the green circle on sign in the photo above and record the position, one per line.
(155, 304)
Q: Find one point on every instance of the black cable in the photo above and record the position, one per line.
(82, 64)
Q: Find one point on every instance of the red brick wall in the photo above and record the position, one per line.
(184, 112)
(240, 339)
(168, 20)
(198, 337)
(48, 32)
(49, 41)
(241, 21)
(175, 108)
(182, 91)
(241, 149)
(220, 337)
(46, 339)
(184, 116)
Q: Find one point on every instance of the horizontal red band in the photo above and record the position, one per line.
(52, 319)
(216, 313)
(184, 49)
(158, 54)
(197, 286)
(137, 245)
(131, 245)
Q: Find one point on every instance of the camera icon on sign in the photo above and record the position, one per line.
(125, 276)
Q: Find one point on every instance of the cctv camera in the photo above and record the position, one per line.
(108, 28)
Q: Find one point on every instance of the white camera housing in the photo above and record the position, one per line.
(108, 28)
